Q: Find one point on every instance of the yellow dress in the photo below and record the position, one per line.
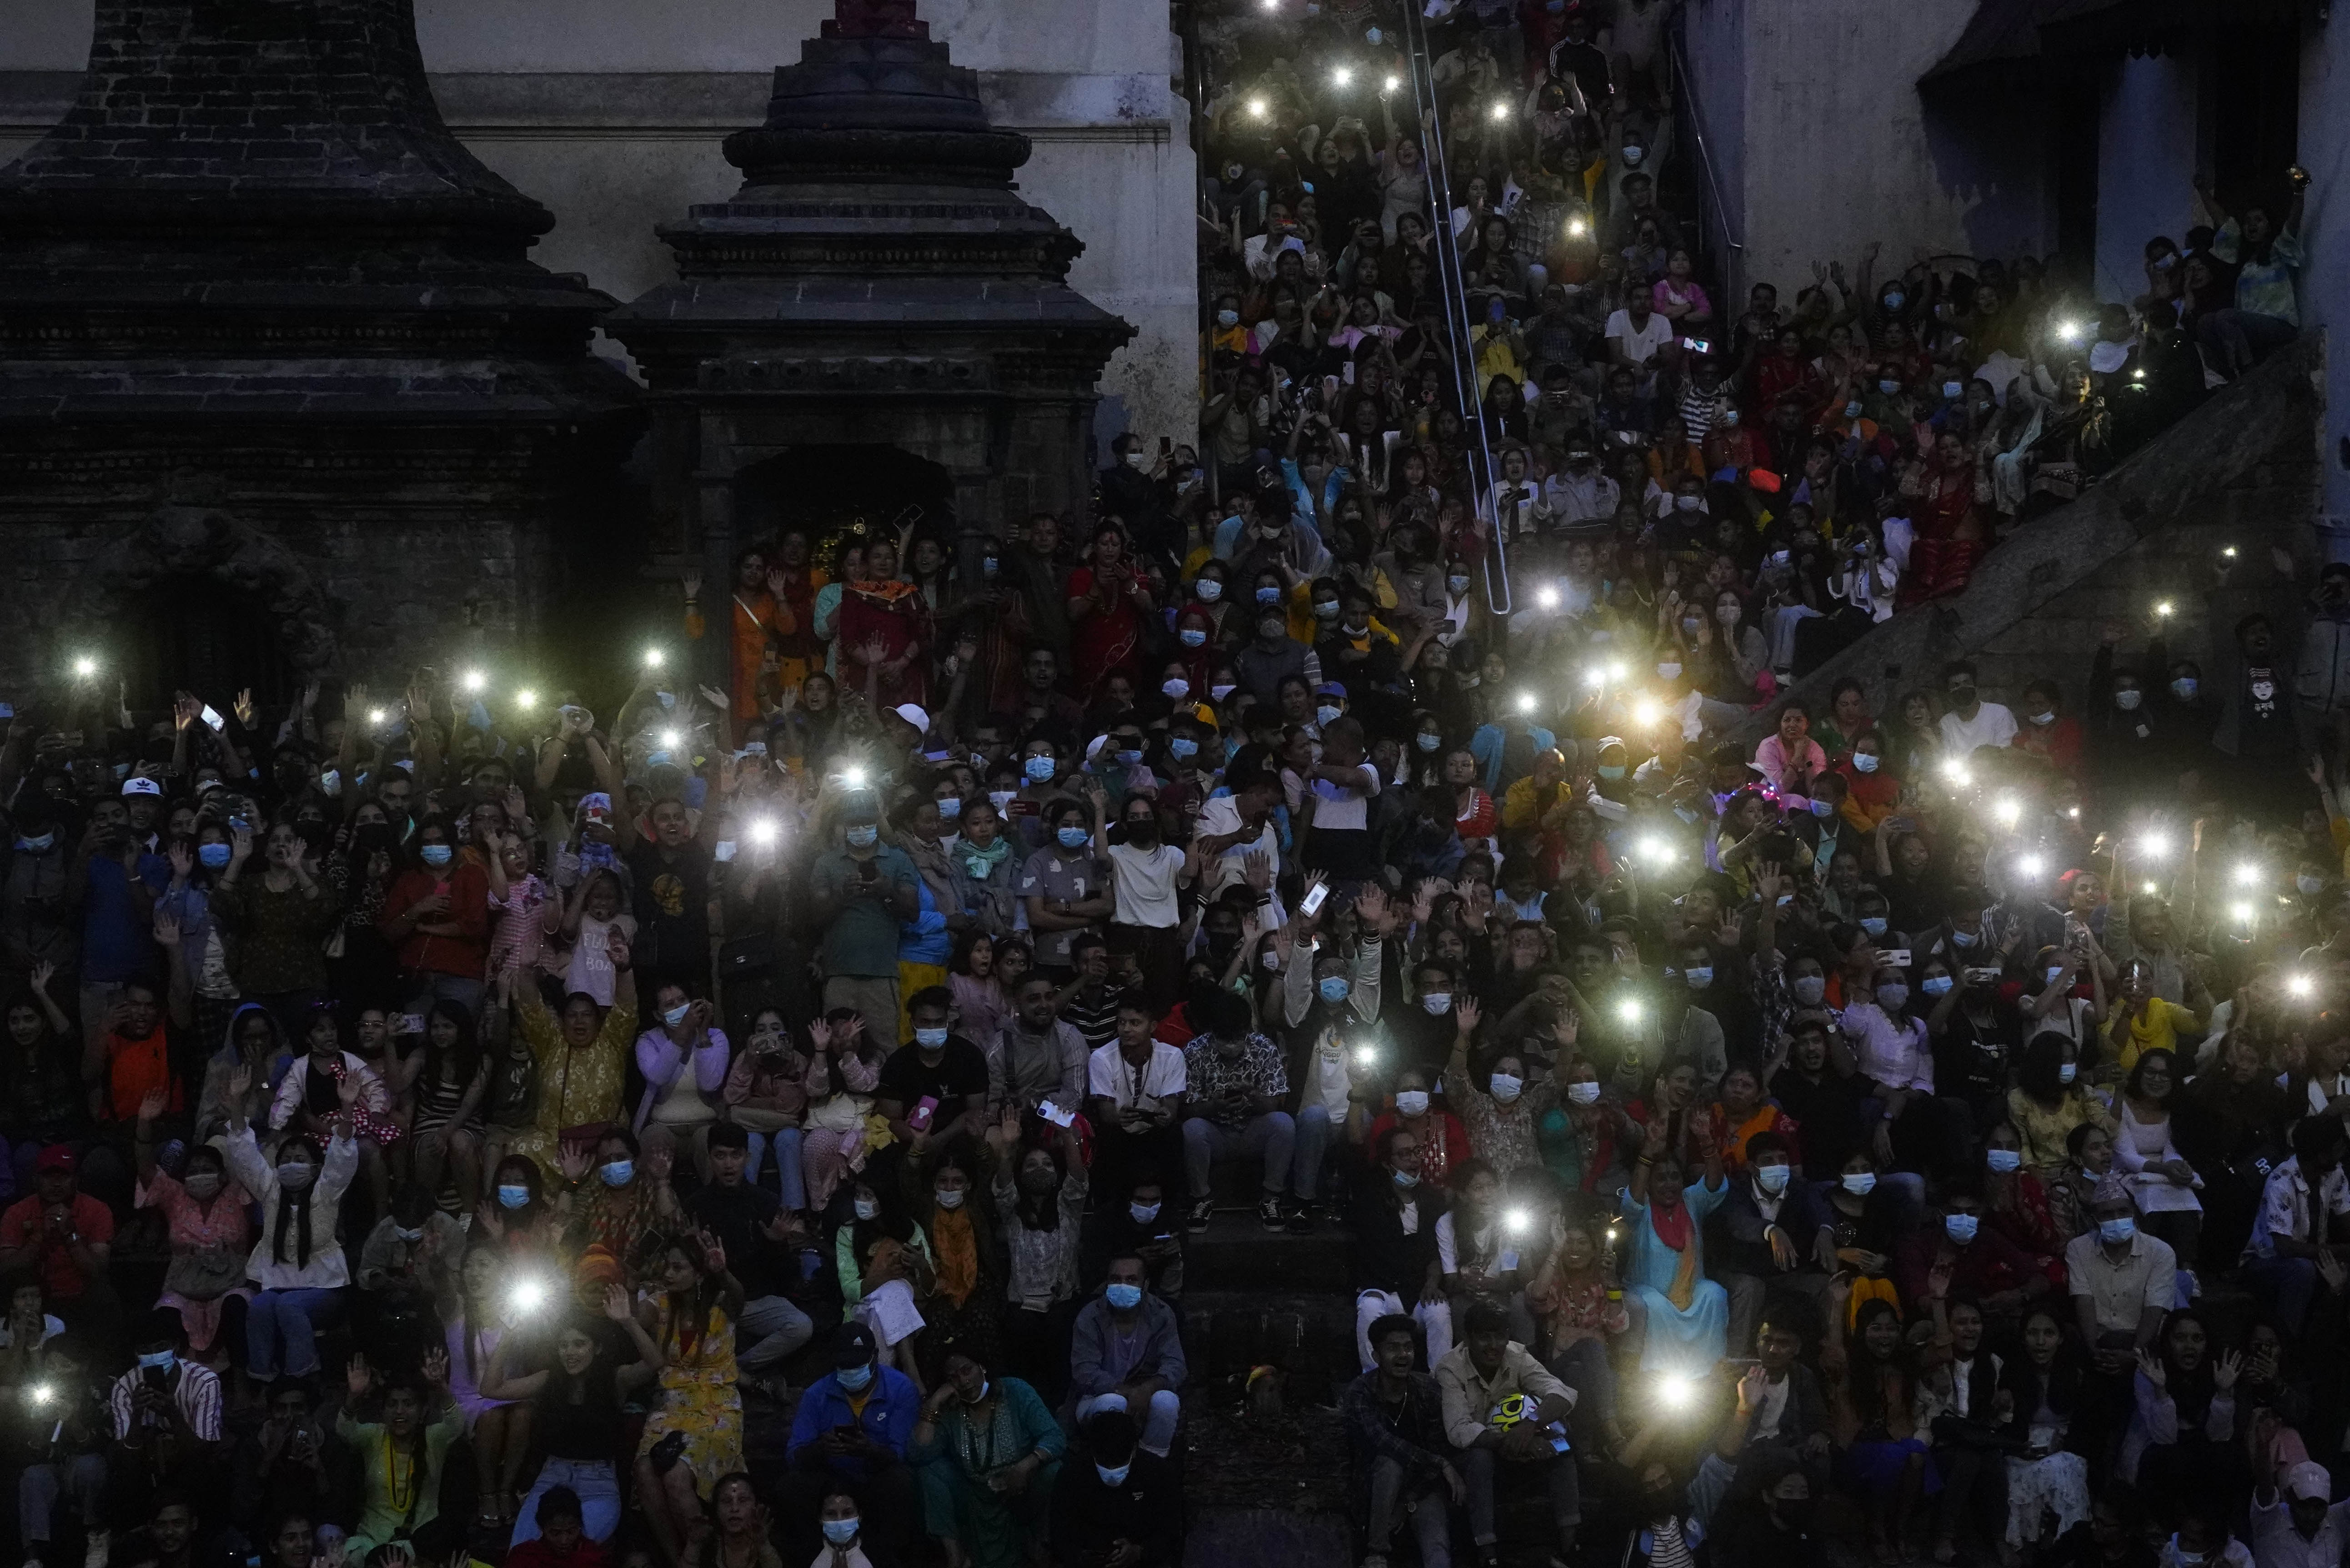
(699, 1399)
(578, 1086)
(2045, 1131)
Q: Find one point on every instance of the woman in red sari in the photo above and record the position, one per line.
(883, 630)
(1107, 603)
(1949, 538)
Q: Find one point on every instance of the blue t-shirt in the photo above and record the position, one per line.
(118, 940)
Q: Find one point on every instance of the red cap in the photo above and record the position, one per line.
(1764, 480)
(56, 1156)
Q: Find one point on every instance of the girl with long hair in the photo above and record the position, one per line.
(693, 1440)
(1872, 1387)
(297, 1262)
(474, 1314)
(2182, 1424)
(447, 1129)
(576, 1415)
(2045, 1473)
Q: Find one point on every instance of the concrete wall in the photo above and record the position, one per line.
(2325, 233)
(610, 112)
(1813, 109)
(2146, 165)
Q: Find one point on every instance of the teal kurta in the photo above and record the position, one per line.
(1685, 1340)
(957, 1502)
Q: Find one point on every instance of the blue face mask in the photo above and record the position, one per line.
(1182, 748)
(1072, 837)
(2067, 1073)
(854, 1378)
(930, 1039)
(863, 836)
(2185, 686)
(951, 808)
(1207, 590)
(161, 1361)
(1405, 1177)
(2003, 1159)
(1334, 990)
(1961, 1228)
(1326, 714)
(1698, 978)
(1037, 768)
(1192, 637)
(1865, 761)
(1823, 808)
(619, 1172)
(1770, 1178)
(437, 855)
(1123, 1297)
(1268, 596)
(1936, 984)
(1874, 925)
(1129, 758)
(2116, 1230)
(1895, 299)
(512, 1197)
(677, 1015)
(1114, 1476)
(840, 1531)
(34, 846)
(212, 855)
(1611, 772)
(1427, 743)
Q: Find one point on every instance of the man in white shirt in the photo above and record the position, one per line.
(1581, 492)
(1971, 722)
(1339, 843)
(1232, 826)
(2303, 1196)
(1134, 1097)
(1515, 505)
(2305, 1528)
(1146, 916)
(1636, 332)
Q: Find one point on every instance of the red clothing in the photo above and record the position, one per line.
(1984, 1267)
(1869, 798)
(1478, 819)
(135, 1066)
(1438, 1155)
(466, 954)
(536, 1554)
(2059, 742)
(21, 1225)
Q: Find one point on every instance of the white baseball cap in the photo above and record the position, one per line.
(913, 715)
(139, 785)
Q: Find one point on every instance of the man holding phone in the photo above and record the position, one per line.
(862, 892)
(851, 1435)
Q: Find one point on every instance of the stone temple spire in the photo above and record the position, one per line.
(876, 19)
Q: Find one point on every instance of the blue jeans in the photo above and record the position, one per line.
(599, 1497)
(1313, 1138)
(288, 1320)
(791, 1180)
(1158, 1423)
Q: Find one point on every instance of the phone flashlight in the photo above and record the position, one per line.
(2299, 985)
(40, 1393)
(525, 699)
(2031, 866)
(653, 659)
(853, 777)
(527, 1297)
(378, 715)
(1526, 703)
(2163, 607)
(1516, 1220)
(2007, 809)
(671, 739)
(86, 667)
(473, 680)
(1675, 1392)
(2247, 874)
(1628, 1011)
(1547, 597)
(764, 831)
(1366, 1057)
(2154, 846)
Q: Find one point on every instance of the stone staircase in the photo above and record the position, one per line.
(2241, 470)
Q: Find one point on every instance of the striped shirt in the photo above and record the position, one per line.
(196, 1390)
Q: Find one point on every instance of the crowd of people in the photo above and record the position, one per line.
(456, 1121)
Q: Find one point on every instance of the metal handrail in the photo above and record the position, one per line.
(1730, 239)
(1453, 285)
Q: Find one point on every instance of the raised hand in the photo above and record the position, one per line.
(616, 947)
(347, 1090)
(1256, 866)
(167, 928)
(1465, 1014)
(152, 1104)
(183, 861)
(714, 1252)
(244, 708)
(2225, 1370)
(240, 1082)
(43, 972)
(1372, 909)
(357, 1376)
(691, 582)
(355, 704)
(616, 1303)
(2150, 1366)
(573, 1160)
(436, 1365)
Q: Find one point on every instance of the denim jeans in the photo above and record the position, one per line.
(770, 1329)
(599, 1497)
(37, 1490)
(791, 1181)
(1158, 1426)
(1479, 1466)
(1432, 1514)
(288, 1320)
(1271, 1137)
(1313, 1137)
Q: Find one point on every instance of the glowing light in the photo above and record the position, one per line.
(1958, 772)
(1594, 675)
(2070, 331)
(671, 739)
(2229, 553)
(2299, 984)
(1517, 1220)
(85, 667)
(1576, 228)
(1257, 109)
(1675, 1392)
(764, 831)
(2154, 846)
(2163, 607)
(1645, 712)
(40, 1393)
(1657, 851)
(1501, 111)
(473, 680)
(653, 657)
(1365, 1056)
(1391, 84)
(1547, 597)
(528, 1296)
(2138, 374)
(853, 777)
(2147, 888)
(1342, 76)
(2007, 808)
(525, 699)
(2031, 866)
(377, 715)
(1628, 1011)
(1526, 703)
(2247, 875)
(2074, 813)
(1615, 671)
(2241, 913)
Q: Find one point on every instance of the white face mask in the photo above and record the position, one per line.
(1506, 1088)
(1583, 1094)
(1411, 1101)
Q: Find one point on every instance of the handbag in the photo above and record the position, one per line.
(739, 957)
(205, 1274)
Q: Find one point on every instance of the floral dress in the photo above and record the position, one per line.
(699, 1397)
(577, 1088)
(208, 1251)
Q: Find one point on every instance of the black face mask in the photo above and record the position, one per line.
(1962, 695)
(372, 837)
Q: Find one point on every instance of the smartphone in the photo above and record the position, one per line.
(1982, 976)
(1166, 445)
(1311, 905)
(1055, 1115)
(214, 719)
(1898, 956)
(919, 1118)
(409, 1024)
(722, 851)
(1698, 345)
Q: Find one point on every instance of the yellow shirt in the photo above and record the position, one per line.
(2156, 1028)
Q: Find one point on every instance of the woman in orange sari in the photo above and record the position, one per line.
(762, 616)
(1949, 538)
(1107, 603)
(882, 632)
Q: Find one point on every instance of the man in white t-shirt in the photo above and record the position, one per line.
(1636, 332)
(1971, 722)
(1134, 1097)
(1232, 826)
(1146, 920)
